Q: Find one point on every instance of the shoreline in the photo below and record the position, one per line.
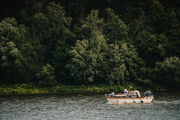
(54, 93)
(32, 89)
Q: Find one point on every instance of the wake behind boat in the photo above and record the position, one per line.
(130, 97)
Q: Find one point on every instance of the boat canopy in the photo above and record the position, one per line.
(134, 92)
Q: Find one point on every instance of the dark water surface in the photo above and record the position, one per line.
(166, 106)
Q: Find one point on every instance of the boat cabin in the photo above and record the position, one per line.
(134, 94)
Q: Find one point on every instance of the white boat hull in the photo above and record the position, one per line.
(119, 100)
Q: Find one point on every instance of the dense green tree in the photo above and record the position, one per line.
(40, 24)
(137, 25)
(11, 62)
(167, 72)
(173, 32)
(46, 76)
(151, 47)
(158, 17)
(59, 39)
(86, 53)
(11, 58)
(56, 15)
(122, 63)
(115, 29)
(15, 52)
(116, 67)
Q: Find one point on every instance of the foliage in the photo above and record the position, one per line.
(115, 29)
(56, 15)
(12, 39)
(122, 62)
(89, 42)
(86, 53)
(172, 32)
(46, 76)
(167, 72)
(151, 47)
(58, 88)
(158, 16)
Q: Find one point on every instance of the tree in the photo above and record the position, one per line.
(11, 62)
(173, 33)
(56, 15)
(151, 47)
(59, 39)
(40, 24)
(11, 59)
(115, 29)
(116, 67)
(158, 17)
(167, 72)
(19, 59)
(46, 76)
(12, 40)
(137, 25)
(122, 60)
(86, 53)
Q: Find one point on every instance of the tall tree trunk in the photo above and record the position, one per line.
(76, 19)
(40, 37)
(103, 8)
(82, 12)
(69, 14)
(116, 7)
(108, 13)
(83, 15)
(129, 12)
(53, 23)
(130, 16)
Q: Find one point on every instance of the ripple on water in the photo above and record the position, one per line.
(86, 106)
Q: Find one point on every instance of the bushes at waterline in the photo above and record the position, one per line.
(36, 89)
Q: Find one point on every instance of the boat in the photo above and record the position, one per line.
(130, 97)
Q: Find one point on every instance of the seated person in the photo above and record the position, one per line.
(146, 93)
(149, 92)
(120, 94)
(112, 94)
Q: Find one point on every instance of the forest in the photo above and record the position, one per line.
(89, 42)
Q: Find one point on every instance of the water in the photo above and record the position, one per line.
(166, 106)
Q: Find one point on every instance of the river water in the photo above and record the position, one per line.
(81, 106)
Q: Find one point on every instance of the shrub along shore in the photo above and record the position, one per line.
(9, 89)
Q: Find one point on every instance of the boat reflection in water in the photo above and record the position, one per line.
(130, 97)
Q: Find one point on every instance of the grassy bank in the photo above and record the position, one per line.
(34, 89)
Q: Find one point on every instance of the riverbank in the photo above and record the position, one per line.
(7, 89)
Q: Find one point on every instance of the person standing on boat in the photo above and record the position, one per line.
(112, 94)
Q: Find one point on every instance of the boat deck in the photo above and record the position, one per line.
(119, 97)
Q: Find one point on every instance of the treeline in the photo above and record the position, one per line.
(90, 42)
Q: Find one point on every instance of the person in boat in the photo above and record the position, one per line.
(121, 94)
(149, 92)
(112, 94)
(146, 93)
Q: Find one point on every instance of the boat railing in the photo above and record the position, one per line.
(115, 95)
(142, 93)
(107, 95)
